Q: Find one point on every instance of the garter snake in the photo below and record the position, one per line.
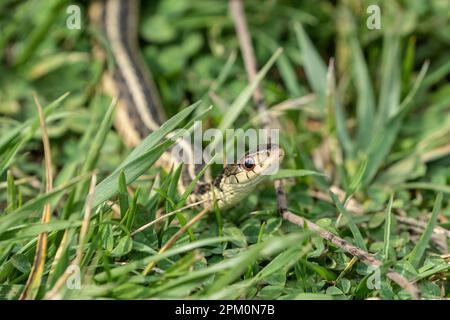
(140, 110)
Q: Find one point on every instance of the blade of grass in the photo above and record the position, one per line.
(165, 216)
(437, 74)
(315, 68)
(386, 136)
(23, 128)
(365, 105)
(11, 193)
(217, 83)
(40, 31)
(194, 182)
(123, 194)
(81, 242)
(32, 230)
(132, 170)
(91, 133)
(156, 136)
(35, 204)
(136, 264)
(290, 173)
(142, 157)
(240, 263)
(335, 115)
(390, 81)
(34, 280)
(323, 272)
(406, 104)
(176, 236)
(13, 141)
(352, 225)
(425, 186)
(241, 101)
(284, 65)
(356, 179)
(96, 146)
(387, 229)
(417, 253)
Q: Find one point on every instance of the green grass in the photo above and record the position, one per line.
(378, 131)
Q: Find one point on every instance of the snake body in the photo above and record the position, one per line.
(140, 110)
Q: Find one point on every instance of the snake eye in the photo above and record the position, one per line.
(249, 164)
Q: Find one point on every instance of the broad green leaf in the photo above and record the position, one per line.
(321, 271)
(124, 246)
(282, 261)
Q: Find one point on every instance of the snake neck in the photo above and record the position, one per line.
(206, 194)
(221, 192)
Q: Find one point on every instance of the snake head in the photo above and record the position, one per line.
(239, 179)
(263, 161)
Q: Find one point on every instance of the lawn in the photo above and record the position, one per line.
(364, 117)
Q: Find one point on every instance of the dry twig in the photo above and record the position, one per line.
(34, 279)
(176, 236)
(154, 221)
(54, 293)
